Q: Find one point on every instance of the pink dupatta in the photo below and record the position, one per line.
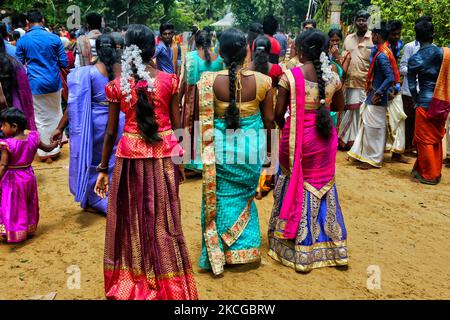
(291, 210)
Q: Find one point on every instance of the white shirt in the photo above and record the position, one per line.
(408, 51)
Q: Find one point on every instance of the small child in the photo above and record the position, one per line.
(19, 206)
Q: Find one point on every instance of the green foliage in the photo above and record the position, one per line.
(321, 16)
(290, 13)
(409, 10)
(350, 8)
(183, 13)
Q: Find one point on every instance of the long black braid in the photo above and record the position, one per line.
(107, 53)
(233, 48)
(144, 38)
(232, 114)
(145, 113)
(323, 124)
(313, 43)
(203, 40)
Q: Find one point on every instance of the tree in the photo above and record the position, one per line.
(409, 10)
(350, 8)
(290, 12)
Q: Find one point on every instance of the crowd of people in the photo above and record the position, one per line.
(143, 114)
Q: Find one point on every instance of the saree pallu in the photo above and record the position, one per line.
(188, 114)
(306, 229)
(232, 165)
(194, 67)
(88, 118)
(146, 255)
(22, 98)
(428, 135)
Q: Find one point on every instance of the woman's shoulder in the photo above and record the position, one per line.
(167, 80)
(192, 55)
(262, 78)
(112, 90)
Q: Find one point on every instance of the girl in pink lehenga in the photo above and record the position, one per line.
(19, 206)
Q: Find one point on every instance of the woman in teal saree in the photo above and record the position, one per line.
(235, 108)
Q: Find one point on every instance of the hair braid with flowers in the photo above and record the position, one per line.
(314, 45)
(140, 47)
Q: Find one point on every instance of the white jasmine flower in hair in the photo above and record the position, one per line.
(132, 56)
(327, 72)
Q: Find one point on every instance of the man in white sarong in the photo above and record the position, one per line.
(44, 54)
(359, 45)
(370, 142)
(395, 141)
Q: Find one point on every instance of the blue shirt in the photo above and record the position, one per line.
(395, 88)
(43, 54)
(164, 57)
(382, 80)
(10, 49)
(282, 40)
(424, 66)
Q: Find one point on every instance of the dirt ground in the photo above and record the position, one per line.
(395, 224)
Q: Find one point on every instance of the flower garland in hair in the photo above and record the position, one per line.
(132, 56)
(327, 72)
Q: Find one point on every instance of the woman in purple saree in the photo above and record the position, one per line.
(15, 89)
(87, 113)
(306, 229)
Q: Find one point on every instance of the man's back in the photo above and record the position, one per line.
(282, 40)
(43, 53)
(425, 64)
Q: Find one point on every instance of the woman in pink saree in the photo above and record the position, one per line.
(306, 229)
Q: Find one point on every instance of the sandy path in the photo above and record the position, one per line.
(400, 226)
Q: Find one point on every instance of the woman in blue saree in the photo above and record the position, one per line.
(235, 108)
(87, 113)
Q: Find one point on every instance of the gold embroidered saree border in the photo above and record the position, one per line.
(293, 104)
(234, 232)
(309, 253)
(206, 116)
(319, 193)
(242, 256)
(139, 136)
(30, 230)
(309, 267)
(150, 276)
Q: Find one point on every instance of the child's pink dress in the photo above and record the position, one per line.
(19, 206)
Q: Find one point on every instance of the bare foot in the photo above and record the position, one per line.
(397, 157)
(366, 166)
